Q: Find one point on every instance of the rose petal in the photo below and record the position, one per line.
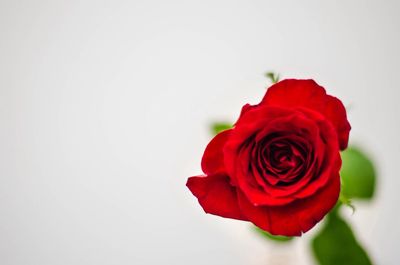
(213, 157)
(336, 113)
(257, 124)
(297, 217)
(307, 93)
(216, 195)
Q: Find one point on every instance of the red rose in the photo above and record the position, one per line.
(278, 167)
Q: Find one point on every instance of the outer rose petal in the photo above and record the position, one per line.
(335, 112)
(295, 218)
(216, 195)
(213, 157)
(245, 109)
(307, 93)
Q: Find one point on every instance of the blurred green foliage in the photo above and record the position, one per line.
(358, 174)
(272, 237)
(218, 127)
(343, 200)
(272, 76)
(336, 244)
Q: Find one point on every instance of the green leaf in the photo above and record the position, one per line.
(336, 244)
(346, 201)
(273, 77)
(280, 239)
(218, 127)
(358, 174)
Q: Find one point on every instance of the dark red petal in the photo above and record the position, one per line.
(308, 94)
(216, 195)
(297, 217)
(213, 157)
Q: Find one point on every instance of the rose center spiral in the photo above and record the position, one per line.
(282, 161)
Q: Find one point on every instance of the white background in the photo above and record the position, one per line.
(104, 108)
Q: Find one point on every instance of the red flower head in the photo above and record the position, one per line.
(278, 167)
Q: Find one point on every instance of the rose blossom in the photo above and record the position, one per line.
(278, 167)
